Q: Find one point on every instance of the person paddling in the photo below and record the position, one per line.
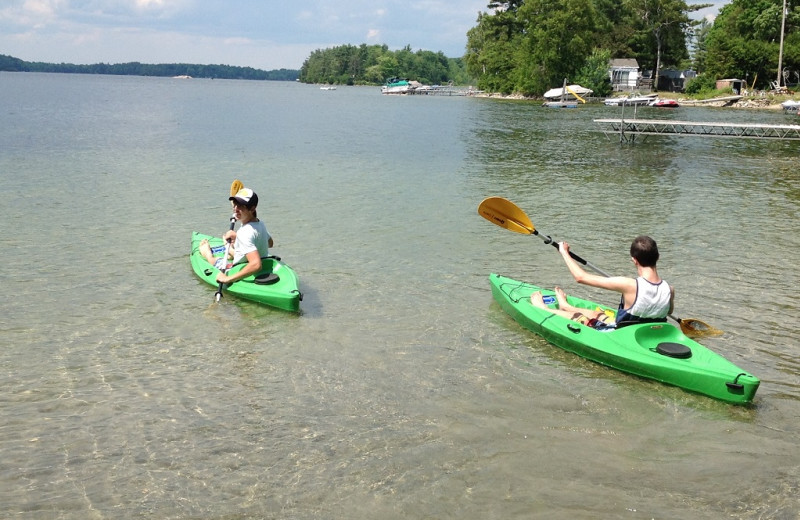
(645, 299)
(251, 242)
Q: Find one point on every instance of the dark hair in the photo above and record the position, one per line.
(645, 250)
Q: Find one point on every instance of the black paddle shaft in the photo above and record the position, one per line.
(218, 294)
(548, 240)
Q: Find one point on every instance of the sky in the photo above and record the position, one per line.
(263, 34)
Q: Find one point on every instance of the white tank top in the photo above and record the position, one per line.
(652, 299)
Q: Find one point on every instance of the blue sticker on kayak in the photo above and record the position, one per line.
(218, 250)
(549, 299)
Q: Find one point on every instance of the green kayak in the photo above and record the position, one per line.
(275, 285)
(655, 351)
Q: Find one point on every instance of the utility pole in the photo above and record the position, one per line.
(780, 52)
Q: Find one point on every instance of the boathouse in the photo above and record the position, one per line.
(738, 85)
(671, 80)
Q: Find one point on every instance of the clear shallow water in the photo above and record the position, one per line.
(402, 390)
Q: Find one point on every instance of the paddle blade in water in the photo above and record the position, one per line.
(504, 213)
(698, 328)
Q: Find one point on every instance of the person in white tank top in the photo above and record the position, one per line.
(646, 298)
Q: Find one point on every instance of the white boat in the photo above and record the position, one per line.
(629, 100)
(568, 96)
(791, 106)
(556, 93)
(397, 86)
(327, 87)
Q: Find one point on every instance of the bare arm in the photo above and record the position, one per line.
(621, 284)
(252, 266)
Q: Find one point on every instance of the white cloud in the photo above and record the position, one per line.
(257, 33)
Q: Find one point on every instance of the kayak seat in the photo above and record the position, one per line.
(675, 350)
(266, 279)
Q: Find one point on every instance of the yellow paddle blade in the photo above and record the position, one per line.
(504, 213)
(697, 328)
(236, 186)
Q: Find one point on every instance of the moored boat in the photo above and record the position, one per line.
(791, 106)
(629, 100)
(658, 351)
(275, 285)
(563, 95)
(399, 86)
(664, 103)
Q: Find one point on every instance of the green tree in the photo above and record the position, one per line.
(594, 73)
(491, 49)
(558, 37)
(744, 40)
(666, 23)
(699, 54)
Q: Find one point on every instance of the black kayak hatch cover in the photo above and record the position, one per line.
(675, 350)
(267, 279)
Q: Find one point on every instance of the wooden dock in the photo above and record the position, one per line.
(442, 90)
(629, 129)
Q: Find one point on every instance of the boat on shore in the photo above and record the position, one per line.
(658, 351)
(791, 106)
(630, 100)
(567, 96)
(664, 103)
(275, 285)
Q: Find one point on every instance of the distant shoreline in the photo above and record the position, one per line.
(769, 102)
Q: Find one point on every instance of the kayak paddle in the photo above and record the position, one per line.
(236, 185)
(504, 213)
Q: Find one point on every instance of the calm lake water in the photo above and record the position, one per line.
(401, 390)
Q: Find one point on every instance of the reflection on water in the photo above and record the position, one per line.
(401, 390)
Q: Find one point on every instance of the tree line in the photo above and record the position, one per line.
(744, 43)
(9, 63)
(374, 64)
(530, 46)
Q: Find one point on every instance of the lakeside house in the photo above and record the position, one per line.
(624, 73)
(626, 77)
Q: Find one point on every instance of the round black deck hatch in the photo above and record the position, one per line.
(266, 279)
(675, 350)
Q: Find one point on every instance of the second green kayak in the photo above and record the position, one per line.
(657, 351)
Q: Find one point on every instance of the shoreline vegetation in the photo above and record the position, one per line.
(161, 70)
(756, 100)
(761, 101)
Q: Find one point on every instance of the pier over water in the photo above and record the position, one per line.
(629, 129)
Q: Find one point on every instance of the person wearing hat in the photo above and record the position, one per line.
(251, 242)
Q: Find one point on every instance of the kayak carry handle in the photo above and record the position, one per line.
(735, 384)
(573, 328)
